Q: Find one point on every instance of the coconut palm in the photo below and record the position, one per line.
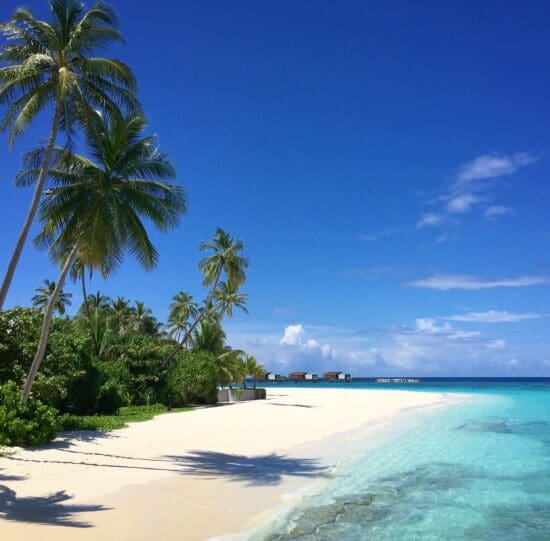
(142, 321)
(182, 309)
(209, 336)
(225, 258)
(226, 298)
(44, 294)
(248, 366)
(229, 367)
(120, 315)
(95, 209)
(257, 371)
(54, 65)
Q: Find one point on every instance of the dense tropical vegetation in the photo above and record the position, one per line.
(95, 197)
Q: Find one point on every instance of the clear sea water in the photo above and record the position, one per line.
(476, 470)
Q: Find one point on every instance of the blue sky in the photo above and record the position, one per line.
(386, 165)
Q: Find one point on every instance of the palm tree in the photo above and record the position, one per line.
(96, 301)
(257, 371)
(209, 336)
(142, 321)
(95, 210)
(225, 258)
(182, 309)
(55, 65)
(226, 297)
(44, 294)
(120, 315)
(248, 367)
(229, 366)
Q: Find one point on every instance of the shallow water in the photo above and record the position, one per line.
(477, 470)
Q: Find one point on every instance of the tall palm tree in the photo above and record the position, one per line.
(95, 210)
(226, 297)
(142, 320)
(54, 65)
(225, 258)
(182, 309)
(44, 294)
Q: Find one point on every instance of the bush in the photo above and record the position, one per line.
(193, 379)
(68, 378)
(260, 394)
(31, 424)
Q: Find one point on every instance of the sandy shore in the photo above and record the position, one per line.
(190, 475)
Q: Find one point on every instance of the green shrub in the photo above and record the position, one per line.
(260, 394)
(31, 424)
(192, 379)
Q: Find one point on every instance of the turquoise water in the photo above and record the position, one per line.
(477, 470)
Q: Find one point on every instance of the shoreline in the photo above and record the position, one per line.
(201, 474)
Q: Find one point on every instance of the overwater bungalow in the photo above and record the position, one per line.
(298, 376)
(336, 376)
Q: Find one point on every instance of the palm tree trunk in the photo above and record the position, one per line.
(88, 313)
(195, 323)
(85, 295)
(254, 381)
(244, 381)
(46, 327)
(33, 208)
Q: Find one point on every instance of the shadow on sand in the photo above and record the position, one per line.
(51, 509)
(254, 470)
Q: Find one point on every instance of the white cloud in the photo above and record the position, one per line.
(429, 326)
(429, 219)
(445, 282)
(497, 210)
(471, 186)
(427, 347)
(495, 316)
(462, 202)
(494, 165)
(293, 335)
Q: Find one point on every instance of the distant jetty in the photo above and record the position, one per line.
(397, 380)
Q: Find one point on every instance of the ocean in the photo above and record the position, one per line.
(475, 470)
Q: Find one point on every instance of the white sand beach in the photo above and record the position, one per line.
(189, 475)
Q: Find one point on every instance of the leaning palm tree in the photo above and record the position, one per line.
(182, 309)
(44, 294)
(225, 258)
(53, 65)
(95, 210)
(226, 297)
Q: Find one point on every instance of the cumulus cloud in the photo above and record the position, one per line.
(293, 335)
(445, 282)
(494, 165)
(495, 316)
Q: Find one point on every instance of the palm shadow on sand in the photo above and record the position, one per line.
(254, 470)
(51, 509)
